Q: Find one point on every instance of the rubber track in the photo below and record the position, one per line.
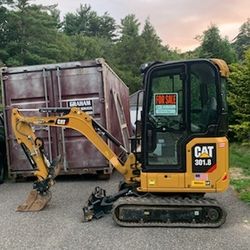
(168, 201)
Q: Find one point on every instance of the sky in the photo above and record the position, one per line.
(177, 22)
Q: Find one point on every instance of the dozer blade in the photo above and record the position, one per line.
(35, 202)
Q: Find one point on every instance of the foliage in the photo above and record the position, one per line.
(3, 29)
(31, 36)
(127, 52)
(5, 3)
(129, 45)
(242, 40)
(87, 23)
(152, 47)
(212, 45)
(240, 132)
(240, 158)
(85, 47)
(243, 188)
(133, 49)
(239, 99)
(34, 34)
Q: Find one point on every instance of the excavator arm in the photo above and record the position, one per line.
(73, 118)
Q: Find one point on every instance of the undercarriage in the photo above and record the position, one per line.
(131, 209)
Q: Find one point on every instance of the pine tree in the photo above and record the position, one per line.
(128, 54)
(212, 45)
(242, 40)
(87, 23)
(33, 36)
(153, 50)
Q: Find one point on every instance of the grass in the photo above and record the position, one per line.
(240, 160)
(243, 188)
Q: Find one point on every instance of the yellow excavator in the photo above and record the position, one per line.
(179, 153)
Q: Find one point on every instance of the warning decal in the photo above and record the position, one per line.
(166, 104)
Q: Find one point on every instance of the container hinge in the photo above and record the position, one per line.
(99, 60)
(4, 69)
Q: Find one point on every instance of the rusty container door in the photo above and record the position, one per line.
(26, 88)
(117, 107)
(91, 85)
(81, 84)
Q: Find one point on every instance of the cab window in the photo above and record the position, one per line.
(203, 97)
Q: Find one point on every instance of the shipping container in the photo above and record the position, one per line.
(91, 85)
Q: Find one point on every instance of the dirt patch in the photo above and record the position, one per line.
(237, 174)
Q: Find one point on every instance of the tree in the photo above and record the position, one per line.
(239, 99)
(128, 54)
(242, 40)
(107, 27)
(3, 30)
(85, 47)
(153, 50)
(130, 42)
(6, 3)
(212, 45)
(133, 49)
(32, 35)
(87, 23)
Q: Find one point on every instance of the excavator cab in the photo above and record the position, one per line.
(184, 123)
(184, 149)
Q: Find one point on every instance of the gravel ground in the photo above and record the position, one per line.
(59, 226)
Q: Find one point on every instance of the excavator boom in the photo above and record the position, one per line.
(44, 170)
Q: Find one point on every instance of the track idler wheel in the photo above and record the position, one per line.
(213, 214)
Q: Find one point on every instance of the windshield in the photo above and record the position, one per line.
(165, 115)
(166, 99)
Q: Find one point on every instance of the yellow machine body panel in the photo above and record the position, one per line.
(209, 153)
(216, 178)
(162, 182)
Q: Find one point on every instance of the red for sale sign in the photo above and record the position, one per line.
(166, 104)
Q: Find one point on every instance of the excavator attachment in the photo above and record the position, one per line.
(35, 202)
(100, 204)
(40, 196)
